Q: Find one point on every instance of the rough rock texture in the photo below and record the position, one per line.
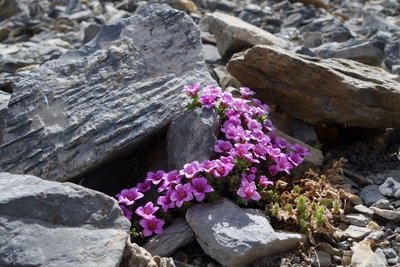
(233, 34)
(370, 194)
(367, 52)
(357, 232)
(235, 236)
(73, 113)
(175, 236)
(135, 256)
(390, 188)
(44, 223)
(4, 98)
(192, 136)
(392, 215)
(320, 91)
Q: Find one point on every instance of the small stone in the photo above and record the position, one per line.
(359, 179)
(382, 204)
(393, 215)
(321, 259)
(364, 256)
(390, 188)
(175, 236)
(393, 261)
(373, 225)
(390, 252)
(185, 5)
(357, 232)
(370, 194)
(376, 235)
(364, 210)
(357, 219)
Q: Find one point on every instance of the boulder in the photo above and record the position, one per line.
(233, 34)
(72, 114)
(237, 237)
(320, 91)
(45, 223)
(192, 136)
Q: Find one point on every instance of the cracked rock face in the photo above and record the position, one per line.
(73, 113)
(44, 223)
(320, 91)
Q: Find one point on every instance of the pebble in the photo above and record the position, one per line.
(364, 210)
(357, 219)
(357, 232)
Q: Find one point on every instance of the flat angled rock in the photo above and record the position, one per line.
(73, 113)
(235, 236)
(233, 34)
(45, 223)
(320, 91)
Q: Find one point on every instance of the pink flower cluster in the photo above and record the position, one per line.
(247, 148)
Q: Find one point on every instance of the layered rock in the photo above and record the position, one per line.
(73, 113)
(233, 34)
(44, 223)
(320, 91)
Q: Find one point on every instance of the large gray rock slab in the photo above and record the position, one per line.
(175, 236)
(73, 113)
(320, 91)
(192, 136)
(44, 223)
(233, 34)
(235, 236)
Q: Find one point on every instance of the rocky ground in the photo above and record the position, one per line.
(90, 94)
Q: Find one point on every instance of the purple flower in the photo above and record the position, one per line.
(222, 169)
(147, 211)
(254, 125)
(274, 153)
(128, 196)
(281, 142)
(248, 191)
(259, 151)
(190, 169)
(302, 151)
(207, 100)
(227, 160)
(182, 193)
(192, 89)
(264, 182)
(151, 225)
(126, 211)
(207, 166)
(156, 177)
(282, 164)
(200, 187)
(213, 90)
(246, 92)
(145, 186)
(295, 159)
(249, 177)
(242, 151)
(172, 177)
(165, 201)
(226, 99)
(223, 146)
